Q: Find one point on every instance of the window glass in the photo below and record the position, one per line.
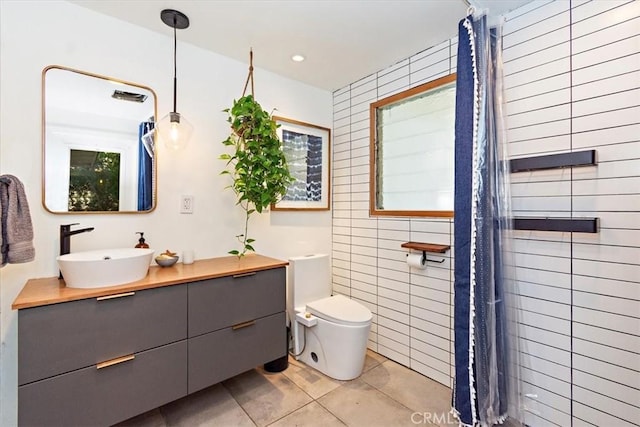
(412, 146)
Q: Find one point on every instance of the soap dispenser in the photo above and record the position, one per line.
(141, 242)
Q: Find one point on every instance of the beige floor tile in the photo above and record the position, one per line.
(313, 382)
(266, 397)
(356, 403)
(510, 422)
(387, 394)
(413, 390)
(372, 360)
(149, 419)
(311, 415)
(213, 406)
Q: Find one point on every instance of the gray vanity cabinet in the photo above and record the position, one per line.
(58, 338)
(102, 397)
(235, 324)
(99, 361)
(102, 360)
(217, 303)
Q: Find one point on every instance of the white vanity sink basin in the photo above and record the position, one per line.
(104, 267)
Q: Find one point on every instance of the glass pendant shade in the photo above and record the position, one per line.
(174, 131)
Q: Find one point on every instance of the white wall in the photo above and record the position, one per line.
(572, 83)
(412, 308)
(36, 34)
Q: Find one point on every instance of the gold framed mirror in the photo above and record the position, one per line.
(98, 143)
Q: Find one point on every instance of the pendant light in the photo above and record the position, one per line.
(174, 130)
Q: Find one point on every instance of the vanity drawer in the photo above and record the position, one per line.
(59, 338)
(218, 303)
(91, 396)
(222, 354)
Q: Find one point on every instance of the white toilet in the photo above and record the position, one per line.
(330, 333)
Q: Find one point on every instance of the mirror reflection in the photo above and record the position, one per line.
(98, 143)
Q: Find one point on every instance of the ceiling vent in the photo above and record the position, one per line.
(129, 96)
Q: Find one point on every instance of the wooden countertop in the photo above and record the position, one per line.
(51, 290)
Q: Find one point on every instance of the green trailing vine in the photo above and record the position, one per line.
(257, 166)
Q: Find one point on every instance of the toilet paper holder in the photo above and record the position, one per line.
(427, 247)
(426, 258)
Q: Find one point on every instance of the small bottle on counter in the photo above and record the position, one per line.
(141, 242)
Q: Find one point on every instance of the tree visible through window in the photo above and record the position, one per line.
(94, 183)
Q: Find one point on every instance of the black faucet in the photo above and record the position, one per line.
(65, 238)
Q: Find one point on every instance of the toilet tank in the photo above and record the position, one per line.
(309, 279)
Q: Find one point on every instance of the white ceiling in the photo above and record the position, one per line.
(343, 40)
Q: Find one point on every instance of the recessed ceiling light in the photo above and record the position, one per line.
(297, 58)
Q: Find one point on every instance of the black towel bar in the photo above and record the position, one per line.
(576, 225)
(554, 161)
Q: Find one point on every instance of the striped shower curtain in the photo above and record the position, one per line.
(482, 380)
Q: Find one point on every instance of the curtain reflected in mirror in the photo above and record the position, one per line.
(98, 143)
(146, 149)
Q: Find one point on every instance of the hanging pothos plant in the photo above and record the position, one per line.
(257, 165)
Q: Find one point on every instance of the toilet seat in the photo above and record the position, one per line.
(340, 309)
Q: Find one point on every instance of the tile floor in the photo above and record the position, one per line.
(386, 394)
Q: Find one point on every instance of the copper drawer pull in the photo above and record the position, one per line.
(253, 273)
(115, 361)
(243, 325)
(107, 297)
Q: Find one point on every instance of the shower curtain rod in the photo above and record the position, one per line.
(470, 8)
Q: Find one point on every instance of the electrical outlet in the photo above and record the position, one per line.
(186, 204)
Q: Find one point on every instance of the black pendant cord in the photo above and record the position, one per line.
(175, 67)
(176, 20)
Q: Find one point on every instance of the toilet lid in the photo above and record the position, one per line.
(340, 309)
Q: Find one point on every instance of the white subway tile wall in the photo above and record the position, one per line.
(580, 293)
(412, 308)
(572, 82)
